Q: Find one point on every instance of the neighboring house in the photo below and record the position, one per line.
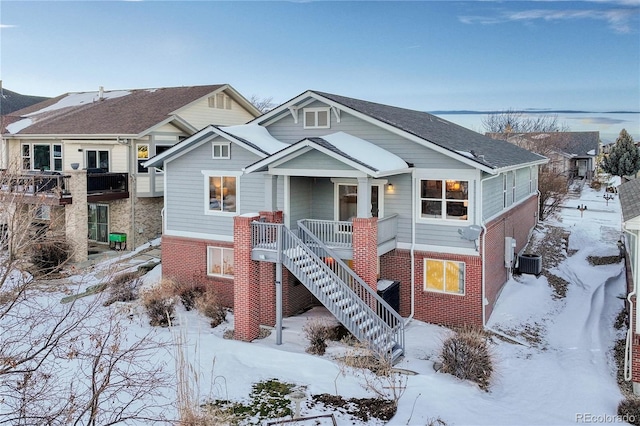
(351, 197)
(630, 203)
(572, 154)
(106, 135)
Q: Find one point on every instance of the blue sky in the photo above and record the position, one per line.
(428, 55)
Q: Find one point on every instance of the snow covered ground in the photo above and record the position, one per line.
(562, 375)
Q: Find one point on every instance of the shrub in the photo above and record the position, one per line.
(208, 305)
(48, 257)
(317, 332)
(189, 294)
(629, 409)
(159, 303)
(466, 355)
(123, 288)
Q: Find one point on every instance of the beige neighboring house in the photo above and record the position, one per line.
(572, 154)
(79, 157)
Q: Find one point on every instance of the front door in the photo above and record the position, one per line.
(99, 223)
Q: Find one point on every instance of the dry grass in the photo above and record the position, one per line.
(208, 305)
(466, 355)
(160, 303)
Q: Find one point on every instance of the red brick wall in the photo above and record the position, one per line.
(246, 310)
(516, 223)
(365, 249)
(184, 260)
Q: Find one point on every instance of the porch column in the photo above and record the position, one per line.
(76, 218)
(364, 197)
(270, 192)
(267, 278)
(246, 296)
(365, 248)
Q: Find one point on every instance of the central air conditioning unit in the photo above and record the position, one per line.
(530, 264)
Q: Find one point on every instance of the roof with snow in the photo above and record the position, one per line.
(458, 140)
(120, 112)
(630, 199)
(358, 153)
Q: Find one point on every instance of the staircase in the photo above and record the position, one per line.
(359, 308)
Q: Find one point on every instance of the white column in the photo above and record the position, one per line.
(270, 193)
(364, 197)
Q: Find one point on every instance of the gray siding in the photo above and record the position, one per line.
(522, 184)
(186, 190)
(491, 197)
(399, 202)
(314, 160)
(300, 195)
(287, 131)
(322, 203)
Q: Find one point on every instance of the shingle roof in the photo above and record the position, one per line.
(630, 199)
(133, 112)
(493, 153)
(580, 144)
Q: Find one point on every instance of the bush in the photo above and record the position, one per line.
(466, 355)
(189, 294)
(629, 409)
(123, 288)
(49, 257)
(207, 304)
(317, 332)
(159, 303)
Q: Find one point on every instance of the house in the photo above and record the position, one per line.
(377, 212)
(88, 148)
(572, 154)
(630, 203)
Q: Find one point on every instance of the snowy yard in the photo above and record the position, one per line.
(561, 372)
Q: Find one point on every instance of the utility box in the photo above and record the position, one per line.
(118, 241)
(530, 264)
(509, 252)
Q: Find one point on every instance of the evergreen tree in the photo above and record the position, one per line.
(624, 157)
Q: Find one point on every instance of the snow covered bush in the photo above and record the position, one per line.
(466, 355)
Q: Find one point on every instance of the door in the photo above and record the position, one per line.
(98, 223)
(98, 160)
(348, 201)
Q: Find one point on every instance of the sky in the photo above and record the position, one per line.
(428, 55)
(556, 368)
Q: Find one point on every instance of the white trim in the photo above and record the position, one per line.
(222, 250)
(215, 144)
(199, 235)
(380, 183)
(317, 173)
(286, 188)
(439, 249)
(220, 173)
(316, 111)
(444, 220)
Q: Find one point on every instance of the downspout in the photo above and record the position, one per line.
(482, 255)
(628, 349)
(413, 246)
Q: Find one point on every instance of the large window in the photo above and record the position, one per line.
(222, 193)
(444, 276)
(98, 159)
(444, 199)
(98, 222)
(42, 157)
(316, 118)
(220, 261)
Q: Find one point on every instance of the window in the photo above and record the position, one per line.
(448, 199)
(142, 156)
(221, 193)
(504, 191)
(98, 159)
(98, 220)
(221, 150)
(513, 187)
(316, 118)
(220, 261)
(219, 101)
(444, 276)
(43, 212)
(159, 150)
(530, 180)
(42, 157)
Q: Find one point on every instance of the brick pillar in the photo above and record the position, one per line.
(246, 298)
(76, 216)
(365, 249)
(267, 277)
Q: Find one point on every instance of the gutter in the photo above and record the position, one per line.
(413, 246)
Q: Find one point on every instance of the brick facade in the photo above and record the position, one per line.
(365, 250)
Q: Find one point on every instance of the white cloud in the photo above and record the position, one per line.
(618, 19)
(3, 26)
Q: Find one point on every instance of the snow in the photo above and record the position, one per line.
(569, 373)
(378, 158)
(71, 100)
(257, 135)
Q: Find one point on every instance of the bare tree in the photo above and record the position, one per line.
(513, 121)
(263, 104)
(61, 363)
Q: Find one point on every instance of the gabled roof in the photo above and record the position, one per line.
(459, 142)
(630, 199)
(251, 137)
(355, 152)
(573, 144)
(121, 112)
